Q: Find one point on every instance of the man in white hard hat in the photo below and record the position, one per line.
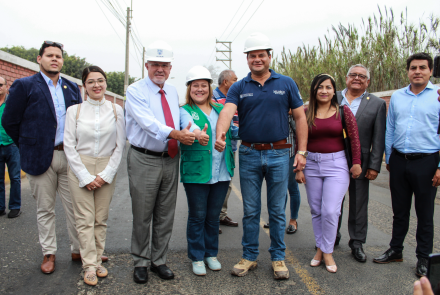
(152, 123)
(263, 100)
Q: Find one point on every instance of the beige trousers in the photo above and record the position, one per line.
(91, 212)
(44, 188)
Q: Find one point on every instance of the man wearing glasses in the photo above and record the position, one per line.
(370, 114)
(10, 156)
(34, 118)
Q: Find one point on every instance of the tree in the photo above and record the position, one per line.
(115, 82)
(214, 75)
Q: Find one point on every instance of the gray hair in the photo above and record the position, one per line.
(6, 82)
(224, 75)
(360, 66)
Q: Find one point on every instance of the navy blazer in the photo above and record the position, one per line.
(30, 120)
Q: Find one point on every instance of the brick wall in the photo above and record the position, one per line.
(10, 72)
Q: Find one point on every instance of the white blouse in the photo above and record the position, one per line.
(95, 134)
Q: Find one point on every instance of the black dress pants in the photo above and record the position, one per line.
(408, 177)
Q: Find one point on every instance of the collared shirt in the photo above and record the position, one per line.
(263, 110)
(354, 105)
(412, 121)
(219, 97)
(4, 137)
(145, 121)
(219, 170)
(60, 106)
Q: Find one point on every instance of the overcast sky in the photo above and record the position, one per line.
(190, 27)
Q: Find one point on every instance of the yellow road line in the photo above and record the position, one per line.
(307, 279)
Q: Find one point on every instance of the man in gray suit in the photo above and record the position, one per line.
(370, 113)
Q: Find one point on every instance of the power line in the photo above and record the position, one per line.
(248, 21)
(240, 19)
(231, 19)
(110, 22)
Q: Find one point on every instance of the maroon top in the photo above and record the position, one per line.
(327, 135)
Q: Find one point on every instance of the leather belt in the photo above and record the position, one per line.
(59, 147)
(413, 156)
(152, 153)
(281, 144)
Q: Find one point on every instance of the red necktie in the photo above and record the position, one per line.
(172, 143)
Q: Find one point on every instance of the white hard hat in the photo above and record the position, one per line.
(256, 41)
(159, 51)
(198, 73)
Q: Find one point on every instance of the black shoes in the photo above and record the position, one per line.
(422, 267)
(338, 239)
(266, 225)
(162, 271)
(14, 213)
(359, 254)
(389, 256)
(140, 275)
(2, 212)
(291, 229)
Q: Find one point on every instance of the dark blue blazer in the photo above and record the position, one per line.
(30, 120)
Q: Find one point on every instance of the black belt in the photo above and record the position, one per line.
(413, 156)
(148, 152)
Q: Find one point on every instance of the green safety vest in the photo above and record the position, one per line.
(196, 159)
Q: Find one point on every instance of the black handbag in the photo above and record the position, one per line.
(347, 144)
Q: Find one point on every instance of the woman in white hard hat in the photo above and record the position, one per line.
(94, 142)
(204, 171)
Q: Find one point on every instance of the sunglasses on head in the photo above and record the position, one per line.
(54, 43)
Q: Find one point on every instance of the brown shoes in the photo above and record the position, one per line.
(77, 257)
(228, 222)
(280, 271)
(241, 269)
(101, 271)
(90, 278)
(48, 265)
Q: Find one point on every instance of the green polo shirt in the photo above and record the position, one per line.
(4, 138)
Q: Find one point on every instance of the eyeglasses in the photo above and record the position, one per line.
(156, 65)
(91, 83)
(54, 43)
(1, 85)
(361, 77)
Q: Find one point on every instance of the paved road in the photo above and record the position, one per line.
(20, 254)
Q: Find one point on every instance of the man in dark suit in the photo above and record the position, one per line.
(370, 113)
(34, 118)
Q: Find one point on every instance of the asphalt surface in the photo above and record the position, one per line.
(21, 256)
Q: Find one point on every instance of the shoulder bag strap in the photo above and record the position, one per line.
(114, 112)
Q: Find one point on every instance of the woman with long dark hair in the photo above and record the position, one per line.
(327, 175)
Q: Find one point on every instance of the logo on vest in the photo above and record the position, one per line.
(246, 95)
(195, 116)
(279, 92)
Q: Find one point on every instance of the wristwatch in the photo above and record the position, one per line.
(303, 153)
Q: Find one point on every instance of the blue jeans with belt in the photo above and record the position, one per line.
(10, 156)
(205, 202)
(272, 165)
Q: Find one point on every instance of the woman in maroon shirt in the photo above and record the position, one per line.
(327, 175)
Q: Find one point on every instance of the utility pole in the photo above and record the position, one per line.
(127, 45)
(143, 62)
(227, 44)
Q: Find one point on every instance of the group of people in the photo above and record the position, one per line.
(335, 144)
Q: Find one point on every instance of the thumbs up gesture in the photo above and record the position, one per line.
(186, 137)
(220, 143)
(203, 137)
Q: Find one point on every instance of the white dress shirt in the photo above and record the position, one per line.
(95, 134)
(146, 126)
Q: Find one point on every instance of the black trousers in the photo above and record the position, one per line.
(408, 177)
(358, 212)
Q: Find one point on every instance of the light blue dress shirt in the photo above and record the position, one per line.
(60, 106)
(219, 169)
(412, 122)
(144, 119)
(354, 106)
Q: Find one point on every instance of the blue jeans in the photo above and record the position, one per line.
(205, 202)
(10, 156)
(293, 190)
(273, 165)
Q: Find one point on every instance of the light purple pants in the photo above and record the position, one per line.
(327, 179)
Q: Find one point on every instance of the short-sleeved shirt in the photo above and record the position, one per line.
(263, 110)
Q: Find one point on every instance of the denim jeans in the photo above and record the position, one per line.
(273, 165)
(205, 202)
(10, 156)
(293, 191)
